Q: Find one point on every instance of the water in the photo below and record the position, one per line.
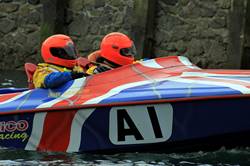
(220, 157)
(13, 79)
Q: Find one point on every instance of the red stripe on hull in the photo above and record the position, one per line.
(56, 131)
(95, 86)
(7, 96)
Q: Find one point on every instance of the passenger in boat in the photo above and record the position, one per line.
(116, 49)
(60, 57)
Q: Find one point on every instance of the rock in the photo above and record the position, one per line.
(9, 7)
(7, 0)
(224, 4)
(170, 2)
(88, 3)
(7, 25)
(85, 44)
(20, 37)
(33, 2)
(196, 47)
(79, 26)
(29, 28)
(77, 5)
(218, 22)
(32, 42)
(99, 3)
(2, 15)
(34, 17)
(3, 50)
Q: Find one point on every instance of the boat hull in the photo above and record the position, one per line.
(162, 126)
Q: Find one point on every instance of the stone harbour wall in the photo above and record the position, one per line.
(89, 20)
(19, 32)
(200, 27)
(207, 31)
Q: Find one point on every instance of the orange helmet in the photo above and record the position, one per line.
(59, 50)
(118, 48)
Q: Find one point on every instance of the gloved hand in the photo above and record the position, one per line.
(100, 69)
(76, 75)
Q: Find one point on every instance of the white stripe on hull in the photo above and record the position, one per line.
(185, 61)
(71, 91)
(241, 88)
(15, 98)
(76, 129)
(151, 64)
(116, 90)
(38, 122)
(36, 133)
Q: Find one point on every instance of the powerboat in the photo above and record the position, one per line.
(162, 104)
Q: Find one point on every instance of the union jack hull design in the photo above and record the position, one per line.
(154, 102)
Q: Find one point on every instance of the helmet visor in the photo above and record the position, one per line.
(67, 52)
(128, 52)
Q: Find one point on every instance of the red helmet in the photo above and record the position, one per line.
(118, 48)
(59, 50)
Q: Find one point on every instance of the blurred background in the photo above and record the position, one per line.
(212, 33)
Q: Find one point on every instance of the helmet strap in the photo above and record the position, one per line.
(105, 61)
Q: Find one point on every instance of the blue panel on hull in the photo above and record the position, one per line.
(15, 130)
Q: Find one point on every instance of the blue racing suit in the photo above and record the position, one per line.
(51, 76)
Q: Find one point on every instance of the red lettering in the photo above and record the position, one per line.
(22, 125)
(2, 126)
(11, 126)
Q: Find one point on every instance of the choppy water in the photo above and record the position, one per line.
(13, 79)
(220, 157)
